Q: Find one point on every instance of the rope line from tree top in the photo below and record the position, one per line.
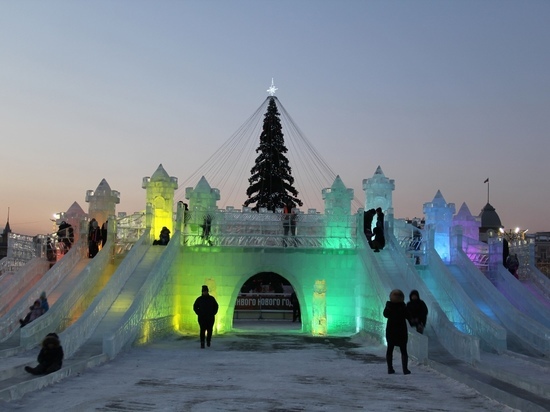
(228, 168)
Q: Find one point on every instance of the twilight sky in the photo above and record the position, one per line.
(440, 94)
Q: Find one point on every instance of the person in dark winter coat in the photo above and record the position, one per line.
(94, 238)
(368, 216)
(50, 358)
(396, 329)
(206, 308)
(65, 234)
(296, 315)
(35, 311)
(418, 311)
(379, 241)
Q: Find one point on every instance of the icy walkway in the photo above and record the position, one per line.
(255, 370)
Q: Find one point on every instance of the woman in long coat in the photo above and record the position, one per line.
(396, 329)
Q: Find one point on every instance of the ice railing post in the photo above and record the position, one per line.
(495, 256)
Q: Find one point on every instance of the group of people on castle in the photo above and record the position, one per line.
(96, 237)
(375, 236)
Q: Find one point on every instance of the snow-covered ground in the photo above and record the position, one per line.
(260, 370)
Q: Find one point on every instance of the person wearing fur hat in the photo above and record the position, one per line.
(50, 358)
(206, 308)
(418, 311)
(396, 329)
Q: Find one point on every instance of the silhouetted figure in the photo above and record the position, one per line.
(164, 237)
(206, 228)
(396, 329)
(104, 228)
(65, 235)
(94, 238)
(44, 302)
(418, 311)
(289, 223)
(35, 311)
(380, 219)
(51, 253)
(50, 358)
(367, 224)
(512, 263)
(378, 241)
(206, 308)
(296, 314)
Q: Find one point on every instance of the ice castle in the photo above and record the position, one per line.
(133, 291)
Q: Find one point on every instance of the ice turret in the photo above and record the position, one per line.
(202, 201)
(337, 198)
(160, 189)
(102, 202)
(439, 216)
(338, 210)
(202, 197)
(378, 191)
(470, 225)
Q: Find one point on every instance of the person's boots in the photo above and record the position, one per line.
(202, 345)
(208, 343)
(405, 362)
(390, 365)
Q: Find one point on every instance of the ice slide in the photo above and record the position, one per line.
(48, 282)
(14, 285)
(446, 324)
(525, 335)
(522, 296)
(111, 321)
(538, 284)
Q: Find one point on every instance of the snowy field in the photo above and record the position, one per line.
(256, 371)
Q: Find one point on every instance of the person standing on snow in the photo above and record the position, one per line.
(206, 308)
(396, 329)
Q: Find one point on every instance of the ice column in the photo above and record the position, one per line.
(319, 308)
(438, 215)
(160, 195)
(102, 202)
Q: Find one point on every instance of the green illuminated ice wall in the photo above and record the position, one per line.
(333, 285)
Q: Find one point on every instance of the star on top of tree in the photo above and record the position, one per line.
(272, 89)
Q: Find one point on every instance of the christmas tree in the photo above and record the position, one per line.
(271, 182)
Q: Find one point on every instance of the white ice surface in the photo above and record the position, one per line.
(260, 370)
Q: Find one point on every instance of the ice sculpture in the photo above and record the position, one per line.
(378, 191)
(319, 309)
(439, 215)
(102, 202)
(160, 195)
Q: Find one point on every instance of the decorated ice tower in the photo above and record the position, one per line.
(338, 210)
(102, 202)
(470, 225)
(378, 193)
(202, 204)
(160, 188)
(439, 217)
